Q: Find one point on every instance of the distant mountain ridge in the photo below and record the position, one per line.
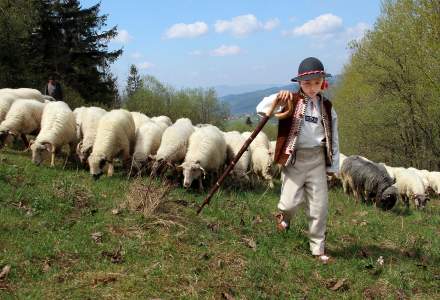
(245, 103)
(224, 90)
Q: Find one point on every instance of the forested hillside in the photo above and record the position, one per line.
(388, 100)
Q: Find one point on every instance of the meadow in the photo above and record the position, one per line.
(66, 236)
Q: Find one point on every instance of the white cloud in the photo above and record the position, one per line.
(145, 65)
(271, 24)
(196, 52)
(123, 37)
(357, 32)
(244, 25)
(182, 30)
(323, 25)
(224, 50)
(136, 55)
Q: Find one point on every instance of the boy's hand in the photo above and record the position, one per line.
(331, 174)
(283, 97)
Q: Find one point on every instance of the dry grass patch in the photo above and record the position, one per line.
(153, 201)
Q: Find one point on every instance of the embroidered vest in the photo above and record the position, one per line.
(289, 128)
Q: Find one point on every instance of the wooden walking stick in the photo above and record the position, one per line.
(259, 127)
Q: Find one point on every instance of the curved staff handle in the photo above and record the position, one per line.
(237, 157)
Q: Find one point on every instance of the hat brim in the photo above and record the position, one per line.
(310, 76)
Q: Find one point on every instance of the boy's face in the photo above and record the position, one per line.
(311, 87)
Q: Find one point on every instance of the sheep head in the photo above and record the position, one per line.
(96, 165)
(388, 198)
(83, 152)
(420, 201)
(40, 150)
(191, 171)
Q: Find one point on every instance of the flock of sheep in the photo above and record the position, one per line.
(382, 185)
(97, 138)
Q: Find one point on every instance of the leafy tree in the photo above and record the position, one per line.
(388, 97)
(200, 105)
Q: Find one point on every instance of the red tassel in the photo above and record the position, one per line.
(324, 85)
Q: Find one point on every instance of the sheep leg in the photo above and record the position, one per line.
(52, 158)
(111, 169)
(200, 184)
(25, 141)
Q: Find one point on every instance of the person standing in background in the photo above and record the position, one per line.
(53, 89)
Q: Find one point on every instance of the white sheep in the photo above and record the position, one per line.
(424, 175)
(206, 153)
(162, 119)
(24, 117)
(434, 181)
(148, 138)
(173, 145)
(139, 119)
(261, 157)
(390, 170)
(6, 101)
(87, 119)
(24, 93)
(115, 137)
(234, 142)
(410, 186)
(58, 128)
(276, 168)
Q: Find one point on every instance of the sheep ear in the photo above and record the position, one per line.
(48, 147)
(179, 168)
(203, 170)
(151, 157)
(31, 142)
(78, 147)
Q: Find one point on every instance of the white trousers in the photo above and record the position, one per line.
(306, 181)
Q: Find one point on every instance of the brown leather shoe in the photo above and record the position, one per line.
(282, 225)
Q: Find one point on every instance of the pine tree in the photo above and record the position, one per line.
(134, 81)
(69, 41)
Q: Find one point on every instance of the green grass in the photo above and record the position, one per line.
(47, 217)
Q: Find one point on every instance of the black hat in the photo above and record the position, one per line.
(310, 68)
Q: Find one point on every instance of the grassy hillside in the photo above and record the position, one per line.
(68, 237)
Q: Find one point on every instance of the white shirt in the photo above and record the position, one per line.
(311, 133)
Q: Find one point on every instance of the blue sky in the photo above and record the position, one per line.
(194, 43)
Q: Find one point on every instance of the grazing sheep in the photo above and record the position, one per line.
(368, 181)
(173, 145)
(410, 186)
(58, 128)
(115, 137)
(261, 156)
(47, 99)
(162, 119)
(234, 142)
(423, 174)
(148, 138)
(139, 119)
(6, 101)
(87, 119)
(206, 153)
(434, 182)
(276, 168)
(24, 117)
(24, 93)
(389, 169)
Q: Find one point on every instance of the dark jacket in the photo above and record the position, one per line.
(57, 92)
